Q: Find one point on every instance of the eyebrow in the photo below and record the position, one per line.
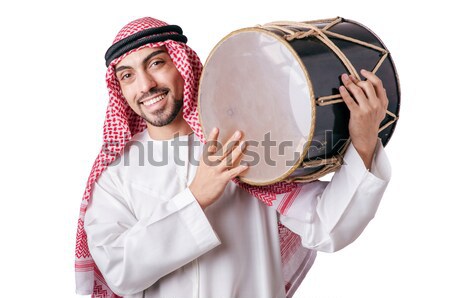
(150, 56)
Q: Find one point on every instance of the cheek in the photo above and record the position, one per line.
(128, 94)
(175, 78)
(181, 87)
(131, 104)
(179, 83)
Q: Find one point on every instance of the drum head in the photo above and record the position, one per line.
(253, 81)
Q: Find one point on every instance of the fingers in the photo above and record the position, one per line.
(377, 85)
(348, 99)
(234, 156)
(376, 82)
(225, 157)
(228, 147)
(357, 89)
(367, 87)
(368, 92)
(234, 172)
(234, 169)
(211, 142)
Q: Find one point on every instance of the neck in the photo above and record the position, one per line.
(178, 127)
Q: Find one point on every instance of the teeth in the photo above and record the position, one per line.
(155, 100)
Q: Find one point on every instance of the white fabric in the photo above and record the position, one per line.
(150, 238)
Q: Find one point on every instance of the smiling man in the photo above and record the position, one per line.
(158, 104)
(190, 229)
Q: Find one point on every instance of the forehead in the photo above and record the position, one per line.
(136, 58)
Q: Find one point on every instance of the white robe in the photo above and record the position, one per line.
(150, 238)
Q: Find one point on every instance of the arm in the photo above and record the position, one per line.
(367, 102)
(329, 216)
(217, 167)
(133, 254)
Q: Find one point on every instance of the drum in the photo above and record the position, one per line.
(278, 83)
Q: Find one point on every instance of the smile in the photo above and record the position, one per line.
(154, 100)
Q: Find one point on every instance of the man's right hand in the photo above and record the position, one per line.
(216, 169)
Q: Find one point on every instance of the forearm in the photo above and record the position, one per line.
(134, 255)
(329, 216)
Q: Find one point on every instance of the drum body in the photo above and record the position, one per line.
(279, 84)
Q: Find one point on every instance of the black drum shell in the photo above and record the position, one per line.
(324, 69)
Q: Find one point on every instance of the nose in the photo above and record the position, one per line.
(146, 82)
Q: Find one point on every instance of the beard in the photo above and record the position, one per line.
(165, 115)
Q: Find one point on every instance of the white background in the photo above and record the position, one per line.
(53, 101)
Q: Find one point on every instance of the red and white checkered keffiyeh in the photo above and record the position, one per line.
(121, 123)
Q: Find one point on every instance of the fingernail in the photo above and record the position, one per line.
(345, 77)
(237, 134)
(215, 129)
(363, 71)
(341, 88)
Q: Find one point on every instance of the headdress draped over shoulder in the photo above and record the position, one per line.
(121, 124)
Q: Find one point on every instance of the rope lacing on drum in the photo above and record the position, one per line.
(314, 30)
(301, 30)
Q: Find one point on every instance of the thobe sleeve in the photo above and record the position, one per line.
(330, 215)
(133, 254)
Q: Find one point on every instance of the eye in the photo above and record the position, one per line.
(125, 76)
(156, 63)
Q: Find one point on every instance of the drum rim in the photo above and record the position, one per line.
(310, 88)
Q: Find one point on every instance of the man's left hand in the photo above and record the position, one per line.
(367, 102)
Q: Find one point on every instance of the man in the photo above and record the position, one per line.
(185, 230)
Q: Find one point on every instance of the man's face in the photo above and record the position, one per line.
(152, 85)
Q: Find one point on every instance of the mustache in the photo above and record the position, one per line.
(152, 92)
